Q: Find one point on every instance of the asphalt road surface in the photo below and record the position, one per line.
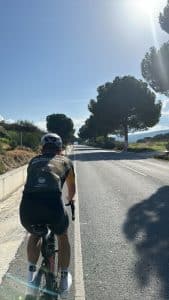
(124, 225)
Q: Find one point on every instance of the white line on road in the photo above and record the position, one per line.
(79, 281)
(134, 170)
(160, 164)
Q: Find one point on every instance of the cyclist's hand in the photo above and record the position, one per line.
(72, 205)
(70, 201)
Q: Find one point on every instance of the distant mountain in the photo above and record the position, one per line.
(138, 136)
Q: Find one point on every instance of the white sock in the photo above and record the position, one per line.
(30, 276)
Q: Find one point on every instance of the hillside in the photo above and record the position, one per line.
(14, 158)
(137, 136)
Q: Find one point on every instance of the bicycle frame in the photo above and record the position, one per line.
(47, 268)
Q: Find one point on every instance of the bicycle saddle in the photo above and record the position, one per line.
(41, 229)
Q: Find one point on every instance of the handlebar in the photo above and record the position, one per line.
(70, 203)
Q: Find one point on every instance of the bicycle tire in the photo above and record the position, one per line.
(51, 287)
(45, 284)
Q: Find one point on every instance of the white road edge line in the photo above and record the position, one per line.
(79, 280)
(135, 171)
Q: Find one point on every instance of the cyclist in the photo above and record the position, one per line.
(42, 203)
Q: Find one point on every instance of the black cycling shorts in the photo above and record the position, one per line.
(43, 208)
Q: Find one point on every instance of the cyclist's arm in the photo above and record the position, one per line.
(70, 181)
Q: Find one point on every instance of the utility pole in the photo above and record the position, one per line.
(21, 138)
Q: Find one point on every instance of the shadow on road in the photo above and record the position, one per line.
(97, 154)
(147, 227)
(85, 149)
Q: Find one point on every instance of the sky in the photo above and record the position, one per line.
(55, 53)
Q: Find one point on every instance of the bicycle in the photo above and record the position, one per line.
(46, 280)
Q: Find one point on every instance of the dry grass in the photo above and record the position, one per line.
(14, 159)
(154, 145)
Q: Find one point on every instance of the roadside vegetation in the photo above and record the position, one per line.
(159, 144)
(14, 159)
(20, 141)
(147, 146)
(103, 142)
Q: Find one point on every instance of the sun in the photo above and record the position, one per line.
(147, 7)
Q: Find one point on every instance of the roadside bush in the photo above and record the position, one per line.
(23, 148)
(13, 144)
(2, 151)
(110, 143)
(143, 149)
(100, 141)
(2, 168)
(119, 145)
(31, 140)
(4, 140)
(3, 132)
(162, 156)
(167, 146)
(14, 139)
(103, 142)
(24, 139)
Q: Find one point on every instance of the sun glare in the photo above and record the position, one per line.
(149, 7)
(146, 13)
(145, 6)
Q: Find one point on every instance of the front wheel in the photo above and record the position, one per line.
(51, 292)
(45, 285)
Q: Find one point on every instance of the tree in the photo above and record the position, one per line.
(164, 18)
(89, 129)
(23, 133)
(24, 126)
(62, 125)
(98, 120)
(155, 69)
(155, 65)
(83, 133)
(27, 126)
(124, 105)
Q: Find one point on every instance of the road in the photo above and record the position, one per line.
(124, 218)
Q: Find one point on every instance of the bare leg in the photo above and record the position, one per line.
(64, 251)
(33, 253)
(33, 248)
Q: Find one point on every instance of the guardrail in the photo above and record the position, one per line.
(11, 181)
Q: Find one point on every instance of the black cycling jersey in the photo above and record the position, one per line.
(47, 172)
(41, 201)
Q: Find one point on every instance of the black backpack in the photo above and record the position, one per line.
(42, 177)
